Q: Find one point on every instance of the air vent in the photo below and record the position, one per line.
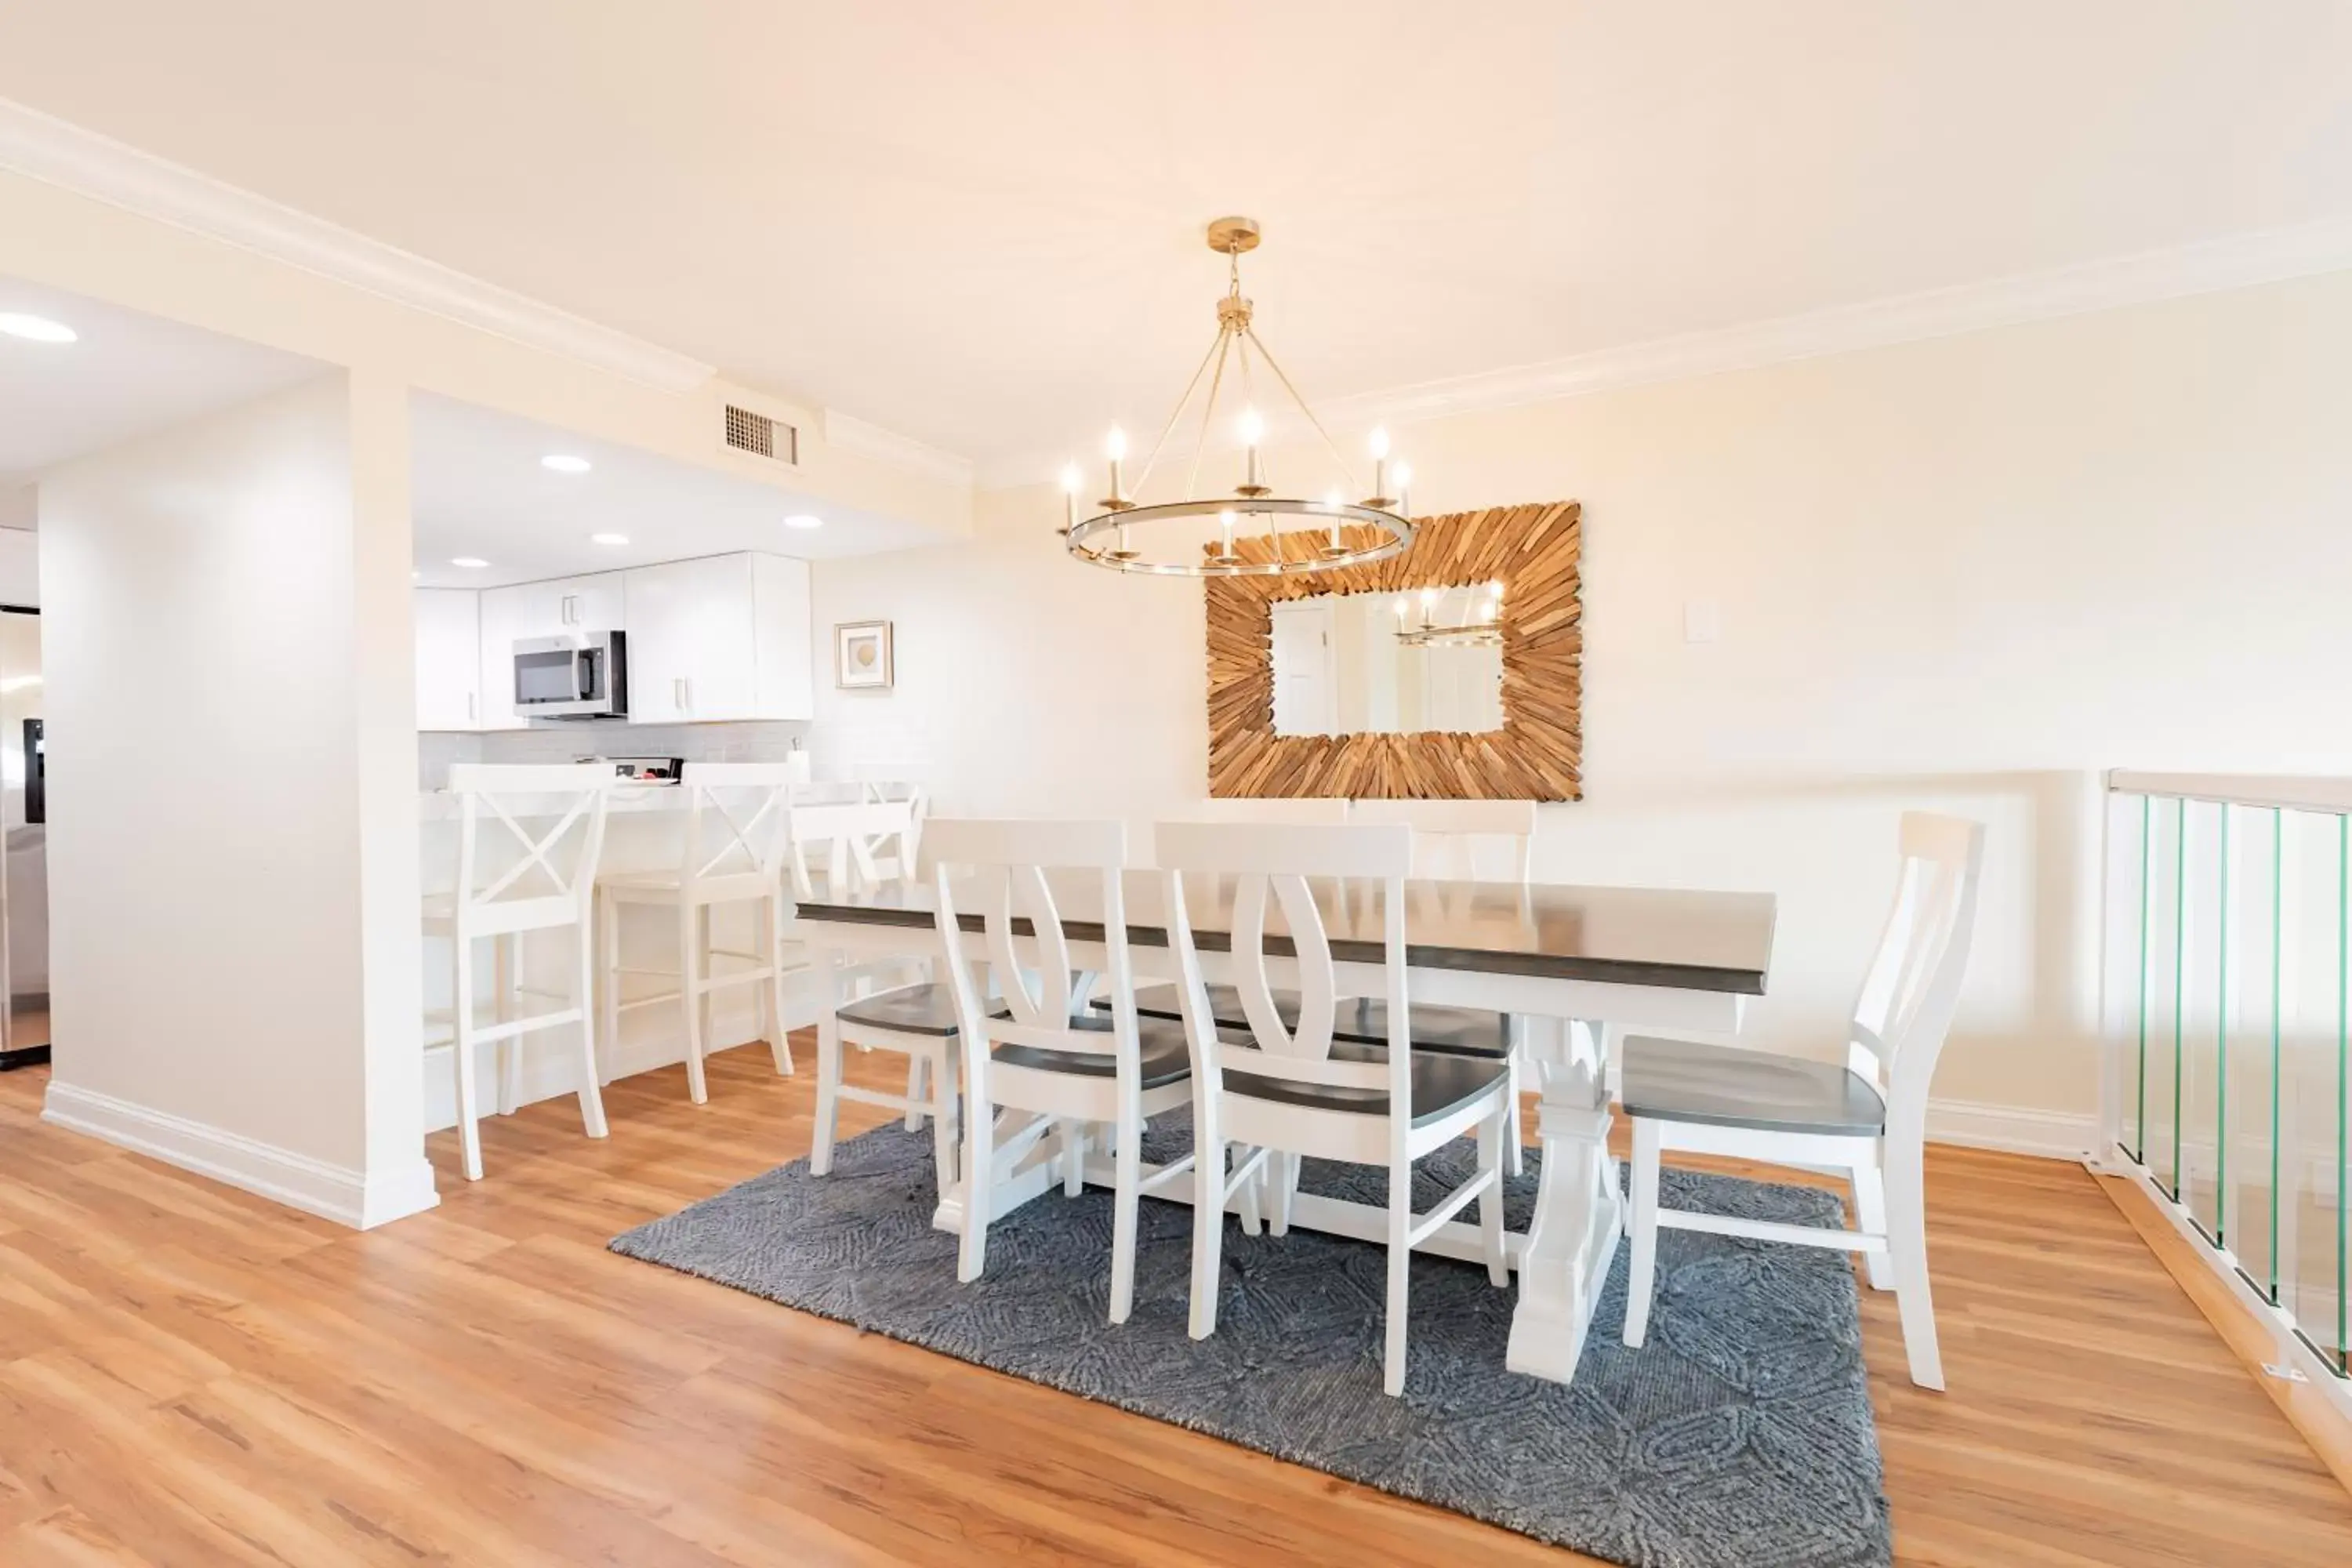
(762, 437)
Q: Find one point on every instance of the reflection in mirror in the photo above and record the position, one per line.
(1390, 664)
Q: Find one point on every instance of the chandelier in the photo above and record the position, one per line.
(1486, 631)
(1194, 535)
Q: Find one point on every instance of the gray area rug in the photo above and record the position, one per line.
(1739, 1436)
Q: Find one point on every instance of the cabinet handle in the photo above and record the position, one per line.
(677, 694)
(473, 707)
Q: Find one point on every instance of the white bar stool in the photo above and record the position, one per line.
(733, 852)
(547, 887)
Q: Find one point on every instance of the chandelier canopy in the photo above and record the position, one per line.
(1193, 536)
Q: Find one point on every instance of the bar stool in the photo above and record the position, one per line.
(733, 852)
(546, 888)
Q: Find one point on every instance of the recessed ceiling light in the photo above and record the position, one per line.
(803, 519)
(608, 539)
(564, 463)
(35, 329)
(468, 561)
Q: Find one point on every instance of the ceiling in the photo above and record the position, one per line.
(980, 225)
(479, 489)
(128, 375)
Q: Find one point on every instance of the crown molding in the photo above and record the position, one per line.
(2234, 261)
(56, 152)
(854, 435)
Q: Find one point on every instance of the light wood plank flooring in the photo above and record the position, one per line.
(189, 1375)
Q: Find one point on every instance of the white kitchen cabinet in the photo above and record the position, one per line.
(721, 639)
(593, 603)
(449, 658)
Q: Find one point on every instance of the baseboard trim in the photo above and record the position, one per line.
(315, 1186)
(2013, 1129)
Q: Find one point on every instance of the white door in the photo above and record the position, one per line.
(506, 618)
(1306, 692)
(449, 658)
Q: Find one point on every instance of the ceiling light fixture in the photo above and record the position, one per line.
(1334, 532)
(608, 539)
(36, 329)
(804, 520)
(468, 561)
(564, 463)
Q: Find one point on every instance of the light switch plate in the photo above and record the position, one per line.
(1701, 622)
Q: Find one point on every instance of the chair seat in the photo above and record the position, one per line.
(1722, 1086)
(1442, 1085)
(1364, 1020)
(925, 1009)
(1165, 1057)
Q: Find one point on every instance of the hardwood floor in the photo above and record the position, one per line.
(189, 1375)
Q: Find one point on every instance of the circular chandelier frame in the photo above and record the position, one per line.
(1107, 538)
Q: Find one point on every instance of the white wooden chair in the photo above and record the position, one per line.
(1866, 1117)
(1295, 1089)
(840, 848)
(1043, 1059)
(541, 882)
(1319, 810)
(732, 852)
(1456, 841)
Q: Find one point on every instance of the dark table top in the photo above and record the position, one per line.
(1627, 936)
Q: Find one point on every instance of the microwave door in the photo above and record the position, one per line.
(544, 678)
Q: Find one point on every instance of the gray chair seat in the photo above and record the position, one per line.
(925, 1009)
(1165, 1057)
(1441, 1085)
(1720, 1086)
(1453, 1031)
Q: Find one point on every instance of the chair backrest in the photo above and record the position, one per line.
(852, 840)
(1271, 864)
(1311, 810)
(997, 871)
(1449, 835)
(1912, 987)
(736, 820)
(556, 866)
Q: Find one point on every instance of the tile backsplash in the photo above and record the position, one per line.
(764, 743)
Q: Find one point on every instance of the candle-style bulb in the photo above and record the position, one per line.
(1115, 445)
(1225, 520)
(1380, 442)
(1404, 608)
(1253, 427)
(1070, 477)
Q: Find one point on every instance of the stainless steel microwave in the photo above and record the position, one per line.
(581, 674)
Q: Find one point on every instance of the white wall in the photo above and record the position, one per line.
(232, 842)
(1964, 573)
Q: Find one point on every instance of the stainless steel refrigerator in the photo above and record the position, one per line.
(24, 823)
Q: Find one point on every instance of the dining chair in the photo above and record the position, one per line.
(889, 1004)
(1313, 809)
(541, 882)
(1291, 1088)
(1042, 1058)
(1867, 1116)
(731, 852)
(1454, 841)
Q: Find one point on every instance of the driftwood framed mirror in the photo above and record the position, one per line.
(1453, 672)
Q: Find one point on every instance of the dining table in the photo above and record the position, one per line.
(1577, 966)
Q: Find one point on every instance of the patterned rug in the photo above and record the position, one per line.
(1739, 1436)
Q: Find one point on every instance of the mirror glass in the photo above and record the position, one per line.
(1429, 658)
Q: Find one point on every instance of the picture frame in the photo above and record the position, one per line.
(861, 655)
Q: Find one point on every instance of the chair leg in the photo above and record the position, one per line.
(1126, 1199)
(1870, 1214)
(1906, 1216)
(510, 983)
(979, 1185)
(1282, 1169)
(592, 1100)
(1514, 1151)
(1253, 1191)
(1392, 1355)
(608, 1039)
(1493, 1132)
(469, 1111)
(1073, 1135)
(943, 1122)
(1642, 1220)
(779, 1043)
(1208, 1228)
(689, 997)
(916, 1066)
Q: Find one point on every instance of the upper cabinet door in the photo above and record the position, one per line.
(596, 604)
(721, 638)
(508, 615)
(449, 658)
